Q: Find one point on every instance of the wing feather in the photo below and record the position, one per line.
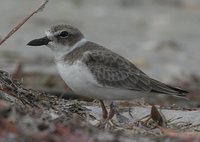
(112, 70)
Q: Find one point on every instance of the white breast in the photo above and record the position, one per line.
(77, 77)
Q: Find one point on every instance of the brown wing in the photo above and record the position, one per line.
(112, 70)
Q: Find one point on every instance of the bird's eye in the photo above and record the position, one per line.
(64, 34)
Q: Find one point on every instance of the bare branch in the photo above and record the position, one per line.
(24, 21)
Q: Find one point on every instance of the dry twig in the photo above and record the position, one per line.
(24, 21)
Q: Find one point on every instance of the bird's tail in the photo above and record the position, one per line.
(160, 87)
(180, 92)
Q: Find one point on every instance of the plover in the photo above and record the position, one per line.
(92, 70)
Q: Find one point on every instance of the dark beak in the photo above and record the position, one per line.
(39, 42)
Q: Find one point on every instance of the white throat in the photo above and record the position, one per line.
(62, 51)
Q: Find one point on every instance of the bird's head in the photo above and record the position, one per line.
(59, 37)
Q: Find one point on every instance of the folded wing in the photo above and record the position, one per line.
(112, 70)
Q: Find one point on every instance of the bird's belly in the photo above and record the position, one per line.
(77, 77)
(82, 82)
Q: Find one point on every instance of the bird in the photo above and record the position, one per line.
(91, 70)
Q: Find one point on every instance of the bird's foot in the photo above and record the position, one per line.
(108, 124)
(153, 119)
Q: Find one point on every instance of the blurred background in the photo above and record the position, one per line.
(161, 37)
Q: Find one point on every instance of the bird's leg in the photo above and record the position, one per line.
(107, 122)
(111, 112)
(104, 110)
(114, 111)
(156, 116)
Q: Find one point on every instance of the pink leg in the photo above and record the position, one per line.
(111, 112)
(104, 110)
